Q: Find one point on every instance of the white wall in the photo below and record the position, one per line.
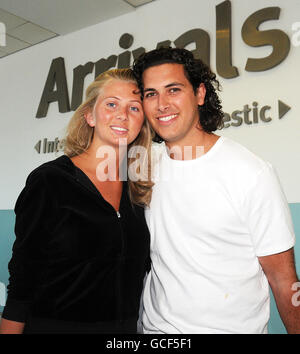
(24, 74)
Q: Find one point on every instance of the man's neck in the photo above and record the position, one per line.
(193, 147)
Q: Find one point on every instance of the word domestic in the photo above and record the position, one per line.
(253, 115)
(56, 87)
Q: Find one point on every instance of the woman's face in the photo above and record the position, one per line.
(117, 114)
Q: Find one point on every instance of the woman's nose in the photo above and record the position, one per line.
(122, 114)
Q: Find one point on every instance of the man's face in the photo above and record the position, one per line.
(171, 104)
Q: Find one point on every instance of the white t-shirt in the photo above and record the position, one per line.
(209, 219)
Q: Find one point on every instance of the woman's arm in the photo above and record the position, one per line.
(11, 327)
(26, 265)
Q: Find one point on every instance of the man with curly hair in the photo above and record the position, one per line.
(220, 225)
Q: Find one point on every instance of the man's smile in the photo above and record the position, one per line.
(166, 119)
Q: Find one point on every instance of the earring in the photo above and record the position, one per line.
(92, 123)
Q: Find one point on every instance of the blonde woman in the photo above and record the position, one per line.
(82, 244)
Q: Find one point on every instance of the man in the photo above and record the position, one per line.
(220, 224)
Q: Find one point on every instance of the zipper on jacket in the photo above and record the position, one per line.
(119, 305)
(120, 295)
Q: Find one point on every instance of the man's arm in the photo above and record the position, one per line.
(11, 327)
(281, 274)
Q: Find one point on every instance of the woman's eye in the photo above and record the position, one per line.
(135, 109)
(111, 104)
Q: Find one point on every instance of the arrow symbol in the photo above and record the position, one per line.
(282, 108)
(38, 146)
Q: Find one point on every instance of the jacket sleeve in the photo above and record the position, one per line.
(26, 264)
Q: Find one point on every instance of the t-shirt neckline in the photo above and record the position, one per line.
(202, 158)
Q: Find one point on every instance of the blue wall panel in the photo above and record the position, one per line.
(7, 221)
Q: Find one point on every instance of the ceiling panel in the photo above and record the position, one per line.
(2, 54)
(29, 22)
(65, 16)
(10, 20)
(137, 3)
(13, 45)
(31, 33)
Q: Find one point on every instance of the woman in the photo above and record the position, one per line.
(81, 246)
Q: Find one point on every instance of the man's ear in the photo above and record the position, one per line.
(200, 94)
(90, 118)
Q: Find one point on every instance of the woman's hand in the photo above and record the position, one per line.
(11, 327)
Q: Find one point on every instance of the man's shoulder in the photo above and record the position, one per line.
(240, 159)
(226, 157)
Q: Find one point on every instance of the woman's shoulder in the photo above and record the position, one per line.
(48, 180)
(54, 168)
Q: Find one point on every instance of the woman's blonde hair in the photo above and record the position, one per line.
(79, 134)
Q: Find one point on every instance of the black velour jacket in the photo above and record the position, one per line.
(74, 257)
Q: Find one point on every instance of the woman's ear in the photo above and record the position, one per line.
(201, 92)
(90, 118)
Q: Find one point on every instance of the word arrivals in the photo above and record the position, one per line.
(56, 87)
(123, 344)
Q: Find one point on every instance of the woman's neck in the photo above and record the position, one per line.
(104, 161)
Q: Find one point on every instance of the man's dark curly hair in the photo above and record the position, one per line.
(211, 114)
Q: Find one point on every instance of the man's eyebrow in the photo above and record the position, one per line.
(167, 86)
(174, 84)
(149, 89)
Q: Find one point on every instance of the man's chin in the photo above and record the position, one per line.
(169, 138)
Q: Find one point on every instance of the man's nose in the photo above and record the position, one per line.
(163, 103)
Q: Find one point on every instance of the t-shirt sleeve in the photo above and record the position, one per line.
(267, 215)
(25, 266)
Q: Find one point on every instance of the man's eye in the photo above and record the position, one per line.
(149, 94)
(111, 104)
(174, 89)
(135, 109)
